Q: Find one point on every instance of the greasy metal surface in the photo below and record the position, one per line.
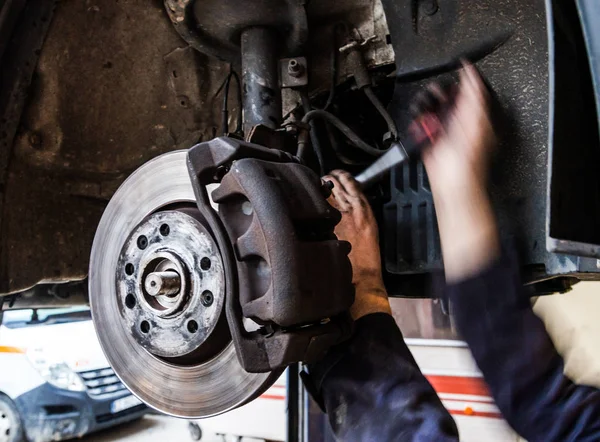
(214, 26)
(116, 86)
(363, 18)
(51, 295)
(261, 92)
(180, 325)
(195, 390)
(19, 54)
(293, 72)
(294, 270)
(257, 262)
(107, 96)
(9, 14)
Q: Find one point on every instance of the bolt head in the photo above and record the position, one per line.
(295, 69)
(207, 298)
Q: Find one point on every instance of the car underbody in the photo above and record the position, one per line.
(91, 91)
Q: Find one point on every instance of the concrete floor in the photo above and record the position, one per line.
(151, 428)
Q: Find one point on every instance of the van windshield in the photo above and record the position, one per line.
(45, 316)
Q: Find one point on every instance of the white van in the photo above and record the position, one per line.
(55, 382)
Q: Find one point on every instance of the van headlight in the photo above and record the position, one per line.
(57, 373)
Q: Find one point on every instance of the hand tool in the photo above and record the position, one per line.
(423, 132)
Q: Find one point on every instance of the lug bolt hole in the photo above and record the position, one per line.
(247, 208)
(207, 298)
(145, 327)
(129, 269)
(142, 242)
(192, 326)
(205, 263)
(130, 301)
(165, 230)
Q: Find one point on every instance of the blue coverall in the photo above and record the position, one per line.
(372, 389)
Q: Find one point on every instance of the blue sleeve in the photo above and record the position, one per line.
(510, 344)
(372, 389)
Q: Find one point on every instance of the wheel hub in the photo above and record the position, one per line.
(168, 268)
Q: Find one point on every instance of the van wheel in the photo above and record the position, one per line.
(195, 431)
(11, 429)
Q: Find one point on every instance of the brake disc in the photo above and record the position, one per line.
(157, 291)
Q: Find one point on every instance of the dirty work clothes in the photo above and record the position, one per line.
(373, 390)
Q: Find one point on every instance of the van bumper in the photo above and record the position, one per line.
(51, 414)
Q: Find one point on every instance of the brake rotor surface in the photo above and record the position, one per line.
(157, 297)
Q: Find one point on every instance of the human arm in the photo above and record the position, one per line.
(371, 386)
(490, 307)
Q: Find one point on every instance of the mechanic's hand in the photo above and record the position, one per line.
(457, 165)
(459, 158)
(359, 228)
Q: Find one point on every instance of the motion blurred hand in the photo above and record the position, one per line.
(359, 228)
(459, 158)
(457, 165)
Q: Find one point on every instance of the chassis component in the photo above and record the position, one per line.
(171, 280)
(179, 287)
(276, 216)
(167, 384)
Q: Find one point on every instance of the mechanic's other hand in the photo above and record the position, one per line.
(457, 166)
(359, 228)
(458, 160)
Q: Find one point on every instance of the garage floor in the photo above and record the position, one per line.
(151, 428)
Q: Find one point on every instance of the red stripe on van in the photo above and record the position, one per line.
(459, 385)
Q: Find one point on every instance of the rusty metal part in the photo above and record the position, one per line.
(356, 64)
(285, 247)
(182, 385)
(275, 213)
(294, 68)
(173, 324)
(104, 100)
(106, 97)
(163, 283)
(260, 79)
(367, 17)
(50, 296)
(293, 72)
(355, 59)
(214, 26)
(281, 139)
(392, 133)
(23, 28)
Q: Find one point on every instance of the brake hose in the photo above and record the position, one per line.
(382, 111)
(349, 133)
